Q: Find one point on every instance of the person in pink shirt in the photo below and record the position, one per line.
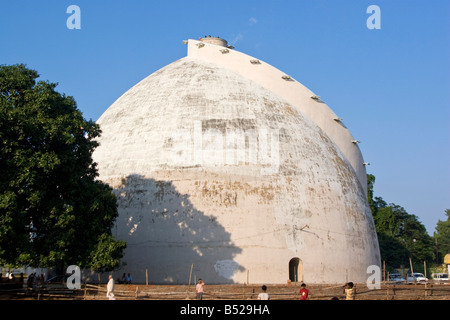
(199, 289)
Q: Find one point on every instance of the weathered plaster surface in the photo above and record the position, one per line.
(292, 91)
(213, 169)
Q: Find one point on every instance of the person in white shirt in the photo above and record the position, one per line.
(110, 288)
(263, 295)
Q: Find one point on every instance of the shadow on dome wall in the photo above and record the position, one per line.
(166, 234)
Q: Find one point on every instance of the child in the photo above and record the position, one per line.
(199, 289)
(304, 293)
(349, 291)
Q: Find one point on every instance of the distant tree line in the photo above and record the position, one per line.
(402, 236)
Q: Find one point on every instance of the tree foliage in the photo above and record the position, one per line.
(400, 235)
(53, 211)
(442, 237)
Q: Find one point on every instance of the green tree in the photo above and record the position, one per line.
(370, 195)
(442, 237)
(400, 235)
(53, 210)
(374, 202)
(418, 242)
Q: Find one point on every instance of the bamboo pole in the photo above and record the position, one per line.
(412, 271)
(146, 276)
(190, 275)
(387, 286)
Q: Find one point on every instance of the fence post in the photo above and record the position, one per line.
(190, 275)
(412, 271)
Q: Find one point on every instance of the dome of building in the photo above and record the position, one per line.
(225, 164)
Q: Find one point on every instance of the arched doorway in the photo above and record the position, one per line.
(296, 270)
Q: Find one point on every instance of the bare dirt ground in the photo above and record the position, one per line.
(234, 292)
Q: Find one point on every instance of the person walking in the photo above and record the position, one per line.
(263, 295)
(110, 288)
(199, 289)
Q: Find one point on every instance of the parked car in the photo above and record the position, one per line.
(440, 277)
(418, 277)
(396, 278)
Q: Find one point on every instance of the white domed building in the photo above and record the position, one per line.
(223, 162)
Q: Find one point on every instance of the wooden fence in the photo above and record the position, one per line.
(233, 292)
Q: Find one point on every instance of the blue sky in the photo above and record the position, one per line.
(390, 85)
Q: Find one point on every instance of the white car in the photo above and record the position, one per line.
(418, 277)
(440, 277)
